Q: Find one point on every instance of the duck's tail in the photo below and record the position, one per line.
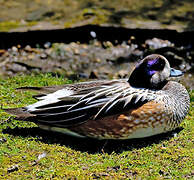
(20, 113)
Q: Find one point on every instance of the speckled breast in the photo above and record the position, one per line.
(149, 119)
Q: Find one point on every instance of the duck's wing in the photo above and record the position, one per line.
(66, 107)
(44, 91)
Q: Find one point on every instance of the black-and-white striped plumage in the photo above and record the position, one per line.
(69, 106)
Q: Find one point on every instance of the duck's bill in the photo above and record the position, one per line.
(175, 73)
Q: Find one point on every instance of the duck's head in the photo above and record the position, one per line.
(152, 72)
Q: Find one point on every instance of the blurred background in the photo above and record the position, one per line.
(48, 14)
(96, 39)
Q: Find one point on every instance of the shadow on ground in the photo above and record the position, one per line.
(90, 145)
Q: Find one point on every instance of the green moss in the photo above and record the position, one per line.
(32, 23)
(8, 25)
(89, 16)
(21, 143)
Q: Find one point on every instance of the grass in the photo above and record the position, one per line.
(10, 25)
(26, 152)
(6, 26)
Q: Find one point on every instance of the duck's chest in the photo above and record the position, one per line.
(149, 119)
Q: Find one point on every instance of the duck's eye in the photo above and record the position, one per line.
(158, 65)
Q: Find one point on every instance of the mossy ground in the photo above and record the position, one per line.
(20, 14)
(21, 143)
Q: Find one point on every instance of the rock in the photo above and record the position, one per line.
(122, 73)
(93, 34)
(157, 43)
(2, 51)
(47, 45)
(93, 75)
(13, 168)
(15, 49)
(17, 68)
(107, 44)
(76, 51)
(83, 76)
(3, 140)
(103, 174)
(43, 56)
(28, 48)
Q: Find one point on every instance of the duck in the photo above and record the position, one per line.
(146, 104)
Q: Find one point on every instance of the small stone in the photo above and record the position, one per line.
(93, 34)
(48, 51)
(85, 167)
(96, 176)
(43, 56)
(28, 48)
(40, 156)
(116, 41)
(18, 46)
(123, 73)
(68, 49)
(85, 46)
(3, 140)
(93, 75)
(109, 44)
(143, 45)
(23, 22)
(31, 56)
(98, 60)
(76, 51)
(103, 174)
(175, 134)
(83, 75)
(132, 37)
(116, 168)
(15, 49)
(161, 172)
(18, 67)
(47, 45)
(2, 51)
(164, 148)
(13, 168)
(97, 43)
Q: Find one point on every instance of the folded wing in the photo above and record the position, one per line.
(66, 107)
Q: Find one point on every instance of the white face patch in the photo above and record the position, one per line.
(50, 98)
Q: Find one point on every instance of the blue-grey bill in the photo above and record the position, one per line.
(175, 73)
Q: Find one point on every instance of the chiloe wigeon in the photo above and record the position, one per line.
(144, 105)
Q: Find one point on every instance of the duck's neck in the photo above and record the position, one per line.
(178, 100)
